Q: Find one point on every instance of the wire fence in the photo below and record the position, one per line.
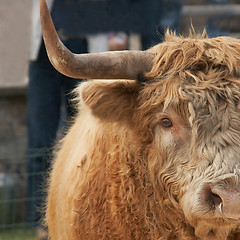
(14, 224)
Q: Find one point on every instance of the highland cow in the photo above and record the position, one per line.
(154, 154)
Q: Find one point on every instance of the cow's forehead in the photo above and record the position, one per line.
(206, 100)
(193, 55)
(215, 105)
(206, 70)
(215, 115)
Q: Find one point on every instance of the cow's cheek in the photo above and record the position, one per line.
(188, 204)
(175, 138)
(178, 142)
(167, 139)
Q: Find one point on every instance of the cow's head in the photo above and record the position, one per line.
(193, 102)
(186, 113)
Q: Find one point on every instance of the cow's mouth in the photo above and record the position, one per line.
(212, 231)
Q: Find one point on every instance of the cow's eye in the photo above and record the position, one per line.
(166, 123)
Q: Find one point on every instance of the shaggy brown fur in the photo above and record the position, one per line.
(121, 173)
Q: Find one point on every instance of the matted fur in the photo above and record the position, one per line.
(119, 174)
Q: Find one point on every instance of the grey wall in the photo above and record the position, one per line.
(15, 25)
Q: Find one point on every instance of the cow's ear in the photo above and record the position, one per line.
(112, 100)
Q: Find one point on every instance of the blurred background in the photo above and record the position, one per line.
(219, 17)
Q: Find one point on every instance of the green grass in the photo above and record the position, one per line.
(17, 234)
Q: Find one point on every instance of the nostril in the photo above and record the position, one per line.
(212, 196)
(223, 202)
(214, 199)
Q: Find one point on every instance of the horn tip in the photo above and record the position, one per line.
(42, 3)
(43, 8)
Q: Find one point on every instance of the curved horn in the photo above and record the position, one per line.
(106, 65)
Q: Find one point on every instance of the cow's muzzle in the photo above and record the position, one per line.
(224, 200)
(226, 218)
